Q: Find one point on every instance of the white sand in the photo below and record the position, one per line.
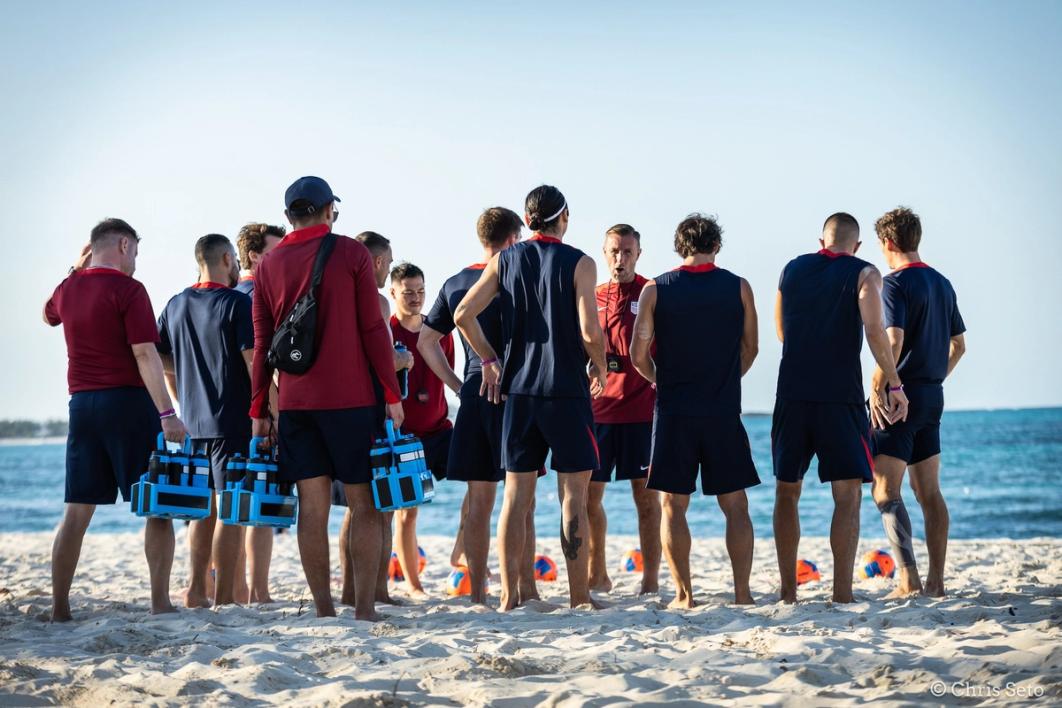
(1000, 626)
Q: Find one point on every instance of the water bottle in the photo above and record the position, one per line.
(403, 375)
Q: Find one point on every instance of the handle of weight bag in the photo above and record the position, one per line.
(256, 444)
(164, 444)
(392, 433)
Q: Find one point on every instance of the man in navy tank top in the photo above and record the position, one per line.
(475, 450)
(703, 319)
(825, 302)
(549, 327)
(925, 330)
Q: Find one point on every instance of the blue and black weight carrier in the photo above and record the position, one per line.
(252, 494)
(176, 485)
(400, 475)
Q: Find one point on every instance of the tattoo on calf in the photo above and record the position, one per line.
(571, 542)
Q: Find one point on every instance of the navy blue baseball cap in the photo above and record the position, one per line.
(313, 190)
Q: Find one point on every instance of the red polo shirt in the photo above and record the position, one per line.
(425, 406)
(628, 397)
(103, 311)
(351, 334)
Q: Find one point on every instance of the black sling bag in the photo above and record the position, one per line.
(292, 348)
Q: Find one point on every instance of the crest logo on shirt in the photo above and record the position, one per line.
(634, 307)
(296, 355)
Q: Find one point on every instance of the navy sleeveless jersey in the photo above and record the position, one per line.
(544, 353)
(699, 320)
(441, 319)
(823, 329)
(922, 303)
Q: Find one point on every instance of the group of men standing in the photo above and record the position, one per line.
(658, 404)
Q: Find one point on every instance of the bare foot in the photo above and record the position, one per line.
(601, 584)
(649, 587)
(743, 598)
(509, 602)
(163, 609)
(262, 598)
(195, 600)
(682, 602)
(348, 599)
(527, 594)
(373, 616)
(592, 604)
(843, 598)
(788, 597)
(387, 599)
(417, 593)
(901, 592)
(934, 589)
(61, 614)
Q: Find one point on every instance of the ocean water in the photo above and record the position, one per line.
(1001, 477)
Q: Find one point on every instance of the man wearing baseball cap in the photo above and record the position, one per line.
(326, 421)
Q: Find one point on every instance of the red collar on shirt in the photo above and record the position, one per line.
(210, 285)
(915, 264)
(477, 266)
(702, 268)
(546, 239)
(307, 234)
(101, 270)
(245, 278)
(832, 254)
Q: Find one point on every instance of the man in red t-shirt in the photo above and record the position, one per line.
(623, 414)
(327, 420)
(425, 405)
(118, 402)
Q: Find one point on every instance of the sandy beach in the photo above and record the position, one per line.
(997, 638)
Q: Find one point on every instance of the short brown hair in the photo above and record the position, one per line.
(496, 225)
(625, 230)
(698, 233)
(902, 227)
(405, 270)
(112, 229)
(252, 239)
(373, 241)
(210, 248)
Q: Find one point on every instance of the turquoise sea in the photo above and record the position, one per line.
(1001, 476)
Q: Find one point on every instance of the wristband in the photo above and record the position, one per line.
(488, 362)
(168, 413)
(893, 389)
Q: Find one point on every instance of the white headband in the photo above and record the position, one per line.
(559, 212)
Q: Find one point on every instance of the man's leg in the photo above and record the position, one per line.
(259, 551)
(459, 554)
(787, 536)
(528, 589)
(66, 550)
(512, 533)
(574, 533)
(647, 503)
(925, 480)
(228, 541)
(595, 514)
(406, 543)
(739, 542)
(888, 478)
(365, 537)
(479, 505)
(241, 592)
(315, 501)
(675, 534)
(200, 540)
(158, 549)
(346, 565)
(387, 519)
(844, 535)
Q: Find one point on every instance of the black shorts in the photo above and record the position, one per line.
(717, 446)
(475, 450)
(624, 447)
(112, 434)
(534, 426)
(334, 443)
(437, 452)
(219, 450)
(837, 433)
(917, 438)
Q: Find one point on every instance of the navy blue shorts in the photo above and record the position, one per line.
(534, 426)
(625, 448)
(333, 443)
(837, 433)
(917, 438)
(475, 451)
(220, 450)
(717, 446)
(112, 434)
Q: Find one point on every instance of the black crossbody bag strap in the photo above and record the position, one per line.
(323, 252)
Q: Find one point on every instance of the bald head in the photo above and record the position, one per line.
(840, 230)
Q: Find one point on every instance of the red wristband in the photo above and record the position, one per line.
(168, 413)
(488, 362)
(895, 388)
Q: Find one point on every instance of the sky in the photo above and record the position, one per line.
(189, 119)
